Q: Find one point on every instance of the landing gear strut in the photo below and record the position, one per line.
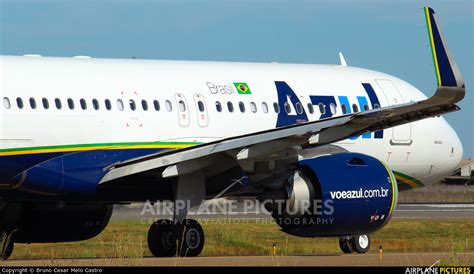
(359, 244)
(184, 238)
(7, 244)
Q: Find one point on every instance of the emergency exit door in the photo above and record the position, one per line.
(401, 135)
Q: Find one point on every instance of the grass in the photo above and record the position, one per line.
(438, 193)
(127, 239)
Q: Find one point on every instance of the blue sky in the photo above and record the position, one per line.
(389, 36)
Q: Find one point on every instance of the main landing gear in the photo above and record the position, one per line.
(358, 244)
(184, 238)
(180, 237)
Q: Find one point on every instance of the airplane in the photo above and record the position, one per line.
(335, 143)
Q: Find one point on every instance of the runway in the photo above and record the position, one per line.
(402, 211)
(434, 211)
(395, 259)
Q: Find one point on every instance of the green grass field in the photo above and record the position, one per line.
(127, 239)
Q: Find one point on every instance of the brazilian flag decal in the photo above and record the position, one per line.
(242, 88)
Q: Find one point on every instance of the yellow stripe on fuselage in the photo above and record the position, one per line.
(78, 149)
(406, 181)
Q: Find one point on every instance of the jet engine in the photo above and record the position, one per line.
(47, 223)
(334, 195)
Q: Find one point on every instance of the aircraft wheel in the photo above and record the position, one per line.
(162, 239)
(345, 244)
(361, 243)
(191, 239)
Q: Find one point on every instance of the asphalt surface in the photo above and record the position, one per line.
(394, 259)
(402, 211)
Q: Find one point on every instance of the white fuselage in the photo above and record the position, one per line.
(426, 150)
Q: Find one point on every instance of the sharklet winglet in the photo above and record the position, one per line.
(447, 72)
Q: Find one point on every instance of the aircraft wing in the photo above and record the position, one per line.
(261, 144)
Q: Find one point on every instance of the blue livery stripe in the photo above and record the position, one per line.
(363, 102)
(374, 101)
(68, 172)
(326, 101)
(344, 101)
(284, 92)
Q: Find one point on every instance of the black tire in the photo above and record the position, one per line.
(361, 243)
(162, 239)
(7, 250)
(191, 239)
(345, 244)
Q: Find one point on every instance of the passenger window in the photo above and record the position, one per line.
(182, 106)
(344, 108)
(32, 103)
(355, 108)
(45, 103)
(58, 104)
(144, 105)
(83, 104)
(366, 107)
(299, 108)
(108, 105)
(276, 107)
(169, 107)
(242, 107)
(310, 108)
(156, 104)
(120, 105)
(218, 106)
(6, 103)
(265, 107)
(201, 106)
(230, 106)
(95, 104)
(19, 102)
(322, 108)
(132, 104)
(253, 107)
(70, 103)
(287, 107)
(333, 108)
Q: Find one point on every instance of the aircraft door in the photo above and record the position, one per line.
(201, 108)
(401, 135)
(183, 109)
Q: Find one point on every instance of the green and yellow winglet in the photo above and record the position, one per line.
(448, 75)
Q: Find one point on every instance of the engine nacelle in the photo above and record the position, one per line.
(46, 223)
(341, 194)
